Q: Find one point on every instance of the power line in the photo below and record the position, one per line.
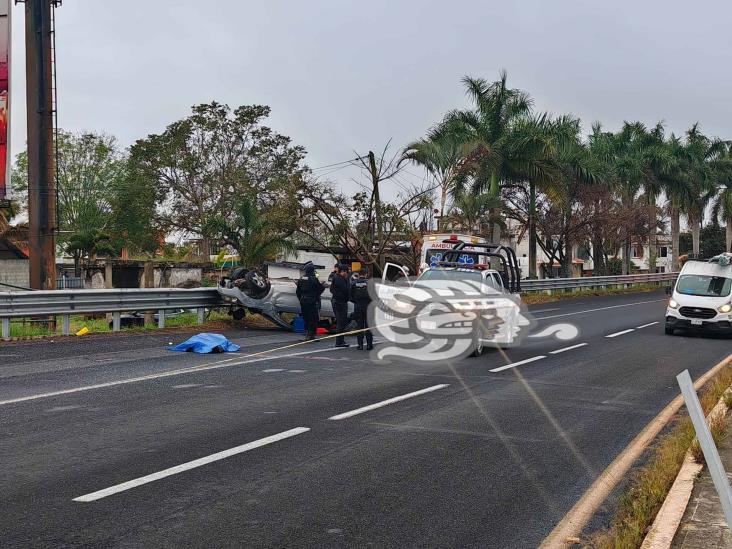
(336, 164)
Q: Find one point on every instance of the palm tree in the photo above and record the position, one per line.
(677, 188)
(473, 212)
(441, 155)
(722, 202)
(704, 158)
(498, 145)
(254, 236)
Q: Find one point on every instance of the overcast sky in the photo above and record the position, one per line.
(346, 75)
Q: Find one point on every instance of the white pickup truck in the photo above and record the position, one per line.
(450, 291)
(701, 298)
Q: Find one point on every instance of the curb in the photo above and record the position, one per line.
(570, 527)
(667, 521)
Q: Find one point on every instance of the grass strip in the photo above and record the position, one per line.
(534, 298)
(650, 484)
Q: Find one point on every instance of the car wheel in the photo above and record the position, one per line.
(258, 285)
(238, 272)
(669, 330)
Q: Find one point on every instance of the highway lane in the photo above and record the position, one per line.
(492, 459)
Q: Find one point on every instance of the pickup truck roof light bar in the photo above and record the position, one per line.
(505, 254)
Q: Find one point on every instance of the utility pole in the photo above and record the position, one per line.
(41, 165)
(377, 200)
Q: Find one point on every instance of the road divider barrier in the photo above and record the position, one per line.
(64, 303)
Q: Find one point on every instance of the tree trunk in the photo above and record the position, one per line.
(443, 199)
(652, 226)
(695, 233)
(675, 232)
(598, 252)
(567, 260)
(77, 265)
(495, 191)
(728, 235)
(205, 248)
(532, 230)
(626, 255)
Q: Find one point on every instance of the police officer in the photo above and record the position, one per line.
(308, 293)
(361, 299)
(340, 294)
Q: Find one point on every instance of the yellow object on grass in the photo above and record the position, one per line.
(83, 331)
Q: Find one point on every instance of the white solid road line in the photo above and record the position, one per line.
(190, 465)
(616, 334)
(646, 325)
(519, 363)
(388, 401)
(567, 348)
(182, 371)
(600, 309)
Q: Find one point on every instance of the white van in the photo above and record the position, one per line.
(701, 296)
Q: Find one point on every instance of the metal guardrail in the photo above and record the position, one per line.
(65, 303)
(594, 281)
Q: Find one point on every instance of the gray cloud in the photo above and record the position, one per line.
(345, 75)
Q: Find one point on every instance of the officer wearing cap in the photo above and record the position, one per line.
(361, 299)
(308, 293)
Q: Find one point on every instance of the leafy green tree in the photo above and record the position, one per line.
(201, 165)
(712, 240)
(88, 166)
(87, 245)
(250, 233)
(134, 222)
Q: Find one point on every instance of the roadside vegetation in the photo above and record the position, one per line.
(28, 329)
(495, 164)
(649, 485)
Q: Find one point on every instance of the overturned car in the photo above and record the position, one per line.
(251, 290)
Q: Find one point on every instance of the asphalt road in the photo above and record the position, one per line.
(474, 458)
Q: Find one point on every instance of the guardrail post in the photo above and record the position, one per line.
(116, 322)
(161, 318)
(65, 325)
(201, 315)
(6, 327)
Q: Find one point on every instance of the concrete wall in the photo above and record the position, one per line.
(165, 277)
(173, 277)
(15, 272)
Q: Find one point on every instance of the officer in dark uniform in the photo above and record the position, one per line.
(340, 292)
(361, 299)
(308, 292)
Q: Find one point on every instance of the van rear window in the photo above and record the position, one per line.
(704, 285)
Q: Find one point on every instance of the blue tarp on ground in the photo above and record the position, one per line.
(207, 343)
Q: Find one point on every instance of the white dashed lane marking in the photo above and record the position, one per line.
(93, 496)
(519, 363)
(646, 325)
(567, 348)
(616, 334)
(387, 402)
